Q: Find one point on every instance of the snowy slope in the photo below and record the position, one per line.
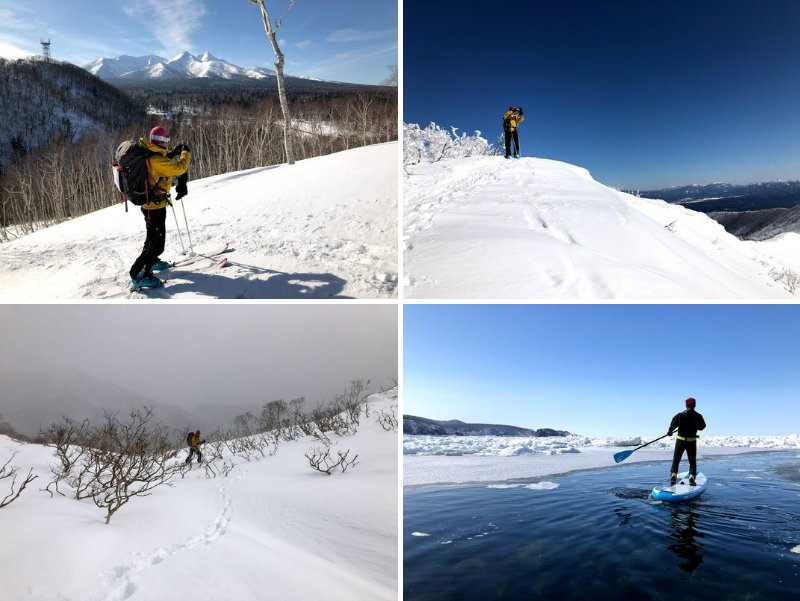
(485, 227)
(324, 227)
(274, 529)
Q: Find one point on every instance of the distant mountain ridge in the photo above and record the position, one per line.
(183, 66)
(413, 424)
(731, 197)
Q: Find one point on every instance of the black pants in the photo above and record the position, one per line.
(156, 223)
(691, 454)
(192, 451)
(509, 136)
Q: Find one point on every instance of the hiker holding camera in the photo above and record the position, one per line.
(511, 120)
(148, 168)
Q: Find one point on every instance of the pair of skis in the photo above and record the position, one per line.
(194, 258)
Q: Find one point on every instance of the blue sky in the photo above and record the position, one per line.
(644, 94)
(345, 40)
(597, 370)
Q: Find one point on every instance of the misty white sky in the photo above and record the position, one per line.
(190, 354)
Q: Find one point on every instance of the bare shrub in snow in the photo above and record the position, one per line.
(787, 277)
(388, 419)
(11, 471)
(71, 441)
(433, 144)
(129, 459)
(321, 460)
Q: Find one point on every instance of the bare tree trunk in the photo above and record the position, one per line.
(271, 31)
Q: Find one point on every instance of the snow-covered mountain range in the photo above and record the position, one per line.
(325, 227)
(413, 424)
(485, 227)
(183, 66)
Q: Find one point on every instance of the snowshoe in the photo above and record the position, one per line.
(516, 156)
(508, 157)
(145, 281)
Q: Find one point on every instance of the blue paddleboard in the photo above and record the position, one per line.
(681, 491)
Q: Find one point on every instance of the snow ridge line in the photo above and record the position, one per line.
(119, 583)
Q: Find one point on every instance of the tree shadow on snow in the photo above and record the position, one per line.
(276, 285)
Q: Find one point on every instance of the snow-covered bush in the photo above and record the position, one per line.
(434, 144)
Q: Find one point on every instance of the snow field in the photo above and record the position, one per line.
(485, 227)
(324, 227)
(273, 529)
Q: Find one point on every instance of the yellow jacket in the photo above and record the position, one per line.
(162, 169)
(195, 441)
(513, 119)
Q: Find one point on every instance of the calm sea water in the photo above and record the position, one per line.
(598, 536)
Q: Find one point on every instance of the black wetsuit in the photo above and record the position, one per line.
(687, 423)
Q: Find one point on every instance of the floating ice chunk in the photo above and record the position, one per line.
(796, 549)
(420, 534)
(542, 486)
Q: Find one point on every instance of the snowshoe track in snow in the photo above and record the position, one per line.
(120, 581)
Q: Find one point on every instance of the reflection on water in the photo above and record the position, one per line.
(684, 532)
(587, 539)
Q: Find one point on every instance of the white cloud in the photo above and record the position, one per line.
(358, 35)
(171, 23)
(11, 51)
(304, 44)
(336, 63)
(9, 20)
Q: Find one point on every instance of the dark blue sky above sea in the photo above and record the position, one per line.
(643, 94)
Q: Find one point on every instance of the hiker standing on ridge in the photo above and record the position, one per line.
(687, 423)
(161, 169)
(511, 120)
(194, 442)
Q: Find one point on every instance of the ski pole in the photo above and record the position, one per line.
(188, 233)
(178, 227)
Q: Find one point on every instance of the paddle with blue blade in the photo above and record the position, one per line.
(623, 455)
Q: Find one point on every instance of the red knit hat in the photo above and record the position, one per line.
(690, 403)
(159, 136)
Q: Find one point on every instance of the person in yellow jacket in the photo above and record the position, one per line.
(162, 167)
(194, 446)
(511, 120)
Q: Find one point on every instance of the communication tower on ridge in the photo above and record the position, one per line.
(46, 49)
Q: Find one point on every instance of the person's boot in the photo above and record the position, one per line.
(145, 280)
(673, 479)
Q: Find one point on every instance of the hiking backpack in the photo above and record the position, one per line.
(189, 437)
(132, 173)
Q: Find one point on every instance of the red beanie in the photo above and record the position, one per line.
(159, 136)
(690, 403)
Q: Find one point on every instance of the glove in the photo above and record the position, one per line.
(519, 108)
(185, 147)
(175, 151)
(669, 432)
(181, 187)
